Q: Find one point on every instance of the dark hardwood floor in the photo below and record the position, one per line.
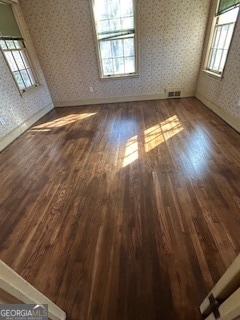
(123, 211)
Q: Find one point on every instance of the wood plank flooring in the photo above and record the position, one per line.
(123, 211)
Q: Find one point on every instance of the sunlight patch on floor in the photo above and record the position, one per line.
(153, 137)
(131, 151)
(71, 118)
(161, 132)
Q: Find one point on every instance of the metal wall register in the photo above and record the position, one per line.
(23, 312)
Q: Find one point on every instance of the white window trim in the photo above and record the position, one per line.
(121, 76)
(210, 39)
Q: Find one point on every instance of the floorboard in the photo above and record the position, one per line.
(123, 211)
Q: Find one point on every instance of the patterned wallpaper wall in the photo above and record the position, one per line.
(171, 34)
(224, 93)
(14, 109)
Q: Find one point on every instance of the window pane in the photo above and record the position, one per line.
(129, 64)
(10, 61)
(103, 26)
(217, 59)
(18, 44)
(26, 78)
(126, 8)
(217, 37)
(113, 9)
(128, 47)
(3, 44)
(115, 25)
(105, 47)
(118, 66)
(10, 44)
(101, 10)
(107, 67)
(223, 61)
(127, 23)
(117, 48)
(25, 59)
(18, 60)
(212, 58)
(31, 76)
(19, 80)
(224, 30)
(229, 36)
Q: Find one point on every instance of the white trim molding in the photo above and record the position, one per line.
(15, 133)
(159, 96)
(14, 285)
(232, 121)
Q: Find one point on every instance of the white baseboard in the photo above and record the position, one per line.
(233, 122)
(15, 133)
(159, 96)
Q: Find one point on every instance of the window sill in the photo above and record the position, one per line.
(29, 90)
(120, 77)
(213, 75)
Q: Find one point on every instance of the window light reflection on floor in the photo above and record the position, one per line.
(131, 151)
(161, 132)
(153, 136)
(60, 122)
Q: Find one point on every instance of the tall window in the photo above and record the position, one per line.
(115, 32)
(14, 50)
(225, 22)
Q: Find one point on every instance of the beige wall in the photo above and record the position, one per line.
(171, 36)
(17, 112)
(223, 96)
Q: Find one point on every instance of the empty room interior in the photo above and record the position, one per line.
(120, 152)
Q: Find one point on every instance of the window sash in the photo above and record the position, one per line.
(17, 59)
(219, 48)
(119, 59)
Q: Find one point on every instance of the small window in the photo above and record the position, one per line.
(116, 38)
(222, 36)
(18, 61)
(14, 50)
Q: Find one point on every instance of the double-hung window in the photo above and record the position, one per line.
(115, 26)
(14, 50)
(225, 21)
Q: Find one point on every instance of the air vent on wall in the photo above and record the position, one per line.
(173, 93)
